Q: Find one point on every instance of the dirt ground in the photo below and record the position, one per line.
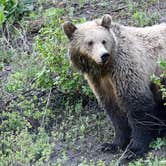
(119, 10)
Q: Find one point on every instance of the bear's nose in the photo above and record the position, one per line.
(104, 57)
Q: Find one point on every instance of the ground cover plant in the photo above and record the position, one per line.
(48, 114)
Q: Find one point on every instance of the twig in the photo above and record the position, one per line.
(120, 8)
(48, 101)
(123, 154)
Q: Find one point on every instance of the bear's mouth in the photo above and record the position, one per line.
(102, 63)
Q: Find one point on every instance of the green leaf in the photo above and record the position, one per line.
(2, 16)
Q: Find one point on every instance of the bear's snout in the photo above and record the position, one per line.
(105, 57)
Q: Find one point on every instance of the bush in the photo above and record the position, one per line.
(12, 10)
(51, 48)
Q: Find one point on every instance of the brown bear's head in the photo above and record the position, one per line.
(91, 43)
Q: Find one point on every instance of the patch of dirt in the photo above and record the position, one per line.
(120, 10)
(87, 150)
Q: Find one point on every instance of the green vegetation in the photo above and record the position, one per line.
(158, 143)
(159, 80)
(140, 15)
(13, 10)
(48, 113)
(50, 45)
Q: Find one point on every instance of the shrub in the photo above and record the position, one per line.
(51, 48)
(11, 10)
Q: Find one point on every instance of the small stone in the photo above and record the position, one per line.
(62, 4)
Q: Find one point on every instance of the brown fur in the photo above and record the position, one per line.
(103, 86)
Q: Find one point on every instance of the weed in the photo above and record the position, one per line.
(158, 143)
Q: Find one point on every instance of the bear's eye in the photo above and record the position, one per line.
(104, 42)
(90, 43)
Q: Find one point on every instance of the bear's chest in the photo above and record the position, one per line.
(104, 89)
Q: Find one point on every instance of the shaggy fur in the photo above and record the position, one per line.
(122, 85)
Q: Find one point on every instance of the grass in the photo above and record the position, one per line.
(51, 114)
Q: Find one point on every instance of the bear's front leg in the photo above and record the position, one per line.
(121, 128)
(141, 117)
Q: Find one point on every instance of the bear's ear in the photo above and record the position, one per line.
(106, 21)
(69, 29)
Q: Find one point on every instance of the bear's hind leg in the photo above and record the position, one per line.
(141, 120)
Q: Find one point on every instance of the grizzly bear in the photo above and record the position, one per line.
(117, 61)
